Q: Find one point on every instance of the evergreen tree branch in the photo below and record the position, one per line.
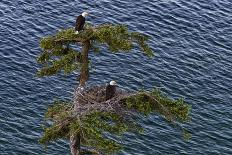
(93, 119)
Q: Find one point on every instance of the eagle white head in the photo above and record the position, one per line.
(84, 14)
(113, 83)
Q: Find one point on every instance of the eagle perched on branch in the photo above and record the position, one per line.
(80, 22)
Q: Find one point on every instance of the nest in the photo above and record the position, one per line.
(94, 99)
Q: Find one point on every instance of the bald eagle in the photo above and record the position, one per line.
(110, 90)
(80, 22)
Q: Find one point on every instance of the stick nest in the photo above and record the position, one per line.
(93, 99)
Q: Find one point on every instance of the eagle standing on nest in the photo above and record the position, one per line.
(110, 90)
(99, 94)
(80, 22)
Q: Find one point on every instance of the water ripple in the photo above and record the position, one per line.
(192, 43)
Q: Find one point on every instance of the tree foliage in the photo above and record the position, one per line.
(57, 55)
(99, 122)
(95, 124)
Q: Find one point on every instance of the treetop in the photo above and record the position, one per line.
(57, 54)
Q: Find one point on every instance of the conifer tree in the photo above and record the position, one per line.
(84, 120)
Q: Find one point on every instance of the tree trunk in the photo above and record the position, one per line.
(84, 74)
(75, 144)
(75, 140)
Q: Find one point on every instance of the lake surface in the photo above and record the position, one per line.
(192, 40)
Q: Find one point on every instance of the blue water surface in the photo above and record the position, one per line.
(192, 40)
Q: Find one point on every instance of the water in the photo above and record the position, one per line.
(192, 43)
